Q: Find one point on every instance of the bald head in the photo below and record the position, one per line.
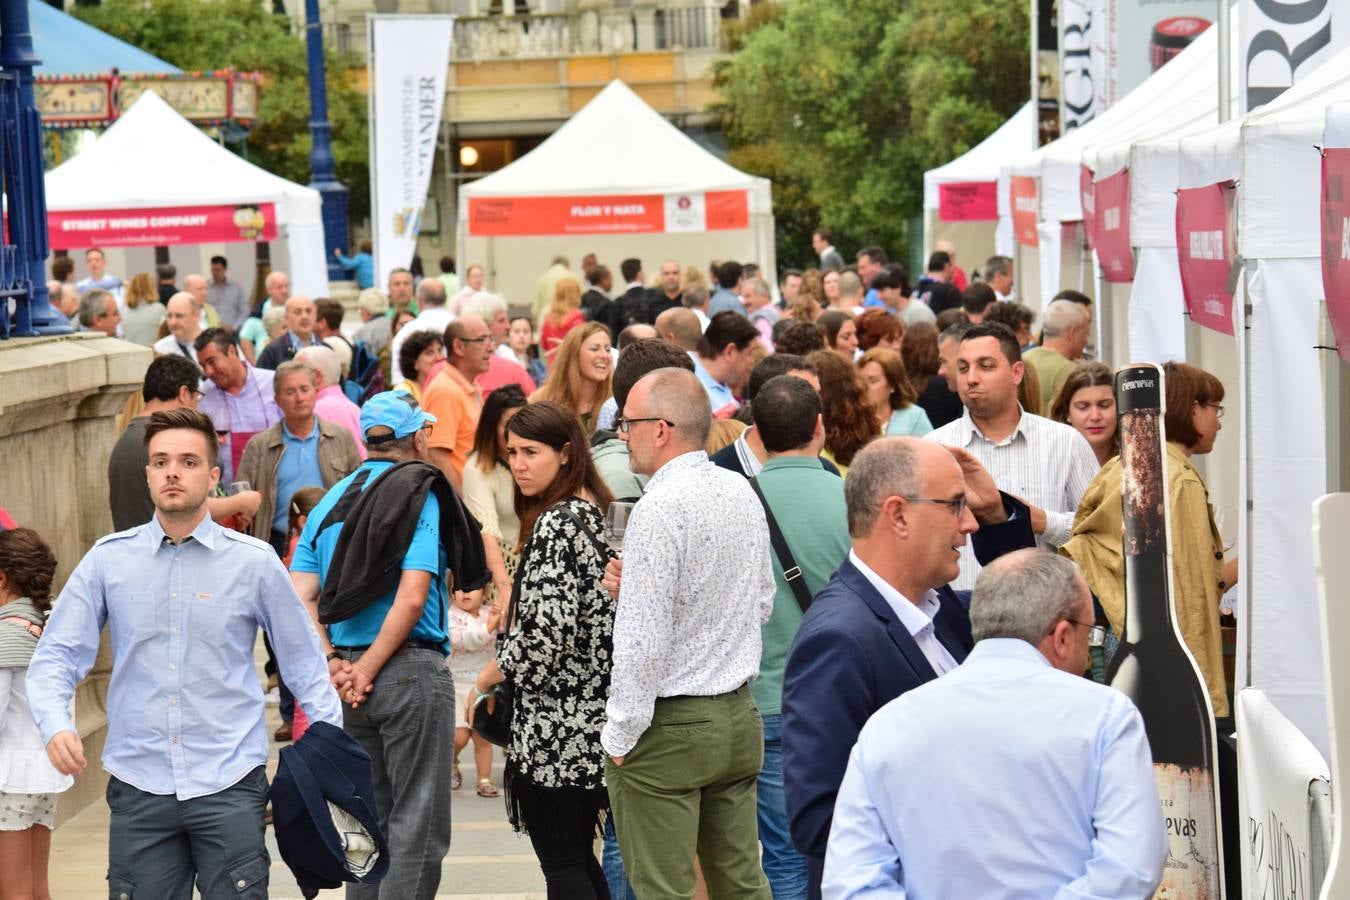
(946, 247)
(680, 326)
(183, 317)
(300, 313)
(196, 286)
(676, 395)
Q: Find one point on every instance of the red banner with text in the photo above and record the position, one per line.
(1206, 249)
(1025, 203)
(1111, 233)
(162, 226)
(619, 214)
(968, 201)
(1336, 243)
(1088, 196)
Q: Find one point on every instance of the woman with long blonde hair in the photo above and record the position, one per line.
(581, 377)
(144, 313)
(563, 315)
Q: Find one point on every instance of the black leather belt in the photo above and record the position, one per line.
(413, 644)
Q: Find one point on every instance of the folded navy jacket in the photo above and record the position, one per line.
(323, 811)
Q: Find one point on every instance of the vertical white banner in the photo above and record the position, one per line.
(1079, 82)
(1280, 41)
(409, 56)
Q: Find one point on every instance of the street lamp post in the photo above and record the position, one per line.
(322, 165)
(21, 260)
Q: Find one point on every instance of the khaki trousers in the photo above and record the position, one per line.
(688, 787)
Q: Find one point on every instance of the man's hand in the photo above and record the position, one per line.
(66, 751)
(359, 685)
(613, 577)
(340, 674)
(981, 493)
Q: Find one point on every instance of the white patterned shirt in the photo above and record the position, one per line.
(697, 585)
(1046, 463)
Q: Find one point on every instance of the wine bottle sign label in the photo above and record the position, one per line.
(1192, 869)
(1152, 664)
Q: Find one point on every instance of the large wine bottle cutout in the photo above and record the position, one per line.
(1153, 665)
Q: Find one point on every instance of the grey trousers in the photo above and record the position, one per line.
(157, 843)
(407, 725)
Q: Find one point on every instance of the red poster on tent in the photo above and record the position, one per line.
(162, 226)
(1088, 196)
(1336, 243)
(1206, 248)
(619, 214)
(968, 201)
(1026, 208)
(1112, 232)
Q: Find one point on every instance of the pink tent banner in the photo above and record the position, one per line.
(1336, 243)
(1206, 248)
(1112, 231)
(968, 201)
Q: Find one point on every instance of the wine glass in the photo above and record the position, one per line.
(238, 487)
(616, 522)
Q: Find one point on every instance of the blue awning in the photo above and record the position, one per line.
(68, 46)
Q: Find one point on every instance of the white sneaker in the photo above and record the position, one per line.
(272, 697)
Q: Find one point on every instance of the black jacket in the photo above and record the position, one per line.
(377, 529)
(595, 306)
(325, 766)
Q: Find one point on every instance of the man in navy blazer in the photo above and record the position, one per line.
(887, 621)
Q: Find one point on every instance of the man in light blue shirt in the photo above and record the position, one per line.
(1013, 776)
(183, 599)
(723, 362)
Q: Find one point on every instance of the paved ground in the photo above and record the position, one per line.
(486, 861)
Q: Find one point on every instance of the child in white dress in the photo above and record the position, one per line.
(473, 630)
(28, 781)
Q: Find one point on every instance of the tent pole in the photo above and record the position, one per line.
(1225, 60)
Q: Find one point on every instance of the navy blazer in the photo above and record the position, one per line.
(852, 656)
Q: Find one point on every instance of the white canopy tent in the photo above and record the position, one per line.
(1183, 91)
(977, 239)
(1272, 154)
(618, 180)
(153, 158)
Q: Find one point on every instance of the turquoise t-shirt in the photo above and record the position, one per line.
(911, 421)
(314, 554)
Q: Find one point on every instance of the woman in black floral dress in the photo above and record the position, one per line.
(557, 653)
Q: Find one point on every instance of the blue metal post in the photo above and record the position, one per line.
(26, 243)
(322, 165)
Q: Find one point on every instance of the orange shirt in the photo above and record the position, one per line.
(455, 402)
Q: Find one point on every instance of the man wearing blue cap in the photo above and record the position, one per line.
(369, 566)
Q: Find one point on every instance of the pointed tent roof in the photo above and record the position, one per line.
(982, 162)
(617, 144)
(67, 46)
(151, 156)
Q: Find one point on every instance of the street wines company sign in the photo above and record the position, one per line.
(1111, 228)
(1336, 243)
(1026, 207)
(1206, 251)
(162, 226)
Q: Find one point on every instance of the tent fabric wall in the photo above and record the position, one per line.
(152, 157)
(616, 145)
(1157, 315)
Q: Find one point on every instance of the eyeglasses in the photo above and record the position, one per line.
(198, 396)
(956, 505)
(477, 340)
(623, 425)
(1217, 407)
(1096, 633)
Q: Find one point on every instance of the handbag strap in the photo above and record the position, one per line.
(792, 573)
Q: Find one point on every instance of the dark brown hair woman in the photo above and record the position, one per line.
(850, 418)
(557, 650)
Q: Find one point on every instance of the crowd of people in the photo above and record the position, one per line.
(722, 565)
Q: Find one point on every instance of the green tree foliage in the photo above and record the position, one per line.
(205, 35)
(845, 103)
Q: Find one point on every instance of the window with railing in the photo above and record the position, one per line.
(542, 34)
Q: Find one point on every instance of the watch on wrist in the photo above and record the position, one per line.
(332, 655)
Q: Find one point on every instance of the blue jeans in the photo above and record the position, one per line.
(784, 866)
(612, 862)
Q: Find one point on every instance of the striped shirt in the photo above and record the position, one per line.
(1045, 463)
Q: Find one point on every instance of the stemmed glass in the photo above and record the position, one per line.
(616, 522)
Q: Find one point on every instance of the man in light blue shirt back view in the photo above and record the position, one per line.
(1012, 776)
(183, 599)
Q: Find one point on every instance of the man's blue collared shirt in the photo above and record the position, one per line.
(297, 468)
(1004, 778)
(185, 707)
(720, 397)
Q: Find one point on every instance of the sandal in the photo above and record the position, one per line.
(487, 789)
(455, 778)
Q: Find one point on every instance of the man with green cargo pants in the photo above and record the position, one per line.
(684, 739)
